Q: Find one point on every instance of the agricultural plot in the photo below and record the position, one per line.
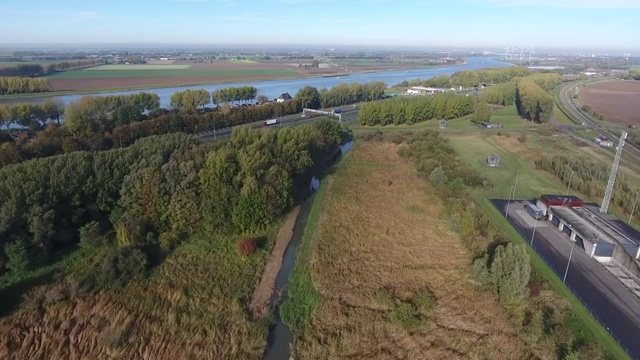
(618, 101)
(392, 282)
(243, 61)
(135, 67)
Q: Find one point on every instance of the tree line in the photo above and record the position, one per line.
(145, 196)
(32, 70)
(101, 123)
(32, 116)
(345, 94)
(23, 85)
(190, 99)
(235, 94)
(103, 113)
(532, 101)
(411, 110)
(54, 140)
(470, 78)
(633, 74)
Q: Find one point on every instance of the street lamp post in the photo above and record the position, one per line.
(513, 188)
(535, 225)
(633, 208)
(569, 184)
(506, 213)
(568, 262)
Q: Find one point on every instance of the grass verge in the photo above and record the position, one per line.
(583, 316)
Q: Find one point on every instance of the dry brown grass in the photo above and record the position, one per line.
(191, 308)
(383, 233)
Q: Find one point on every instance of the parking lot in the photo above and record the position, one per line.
(617, 309)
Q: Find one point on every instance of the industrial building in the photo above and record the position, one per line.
(419, 90)
(603, 237)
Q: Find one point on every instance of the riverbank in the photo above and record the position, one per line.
(30, 96)
(259, 305)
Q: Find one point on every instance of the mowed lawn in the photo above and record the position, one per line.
(224, 73)
(391, 275)
(514, 156)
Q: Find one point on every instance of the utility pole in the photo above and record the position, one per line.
(568, 262)
(513, 188)
(569, 184)
(635, 202)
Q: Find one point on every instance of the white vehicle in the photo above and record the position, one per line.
(271, 122)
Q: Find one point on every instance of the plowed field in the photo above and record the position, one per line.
(618, 101)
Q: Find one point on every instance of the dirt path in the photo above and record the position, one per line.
(262, 294)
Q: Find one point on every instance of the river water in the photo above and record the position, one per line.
(280, 337)
(273, 88)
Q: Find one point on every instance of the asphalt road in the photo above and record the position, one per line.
(617, 309)
(349, 114)
(565, 98)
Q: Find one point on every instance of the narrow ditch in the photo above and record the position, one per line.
(280, 337)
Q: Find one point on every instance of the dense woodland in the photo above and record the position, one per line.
(23, 85)
(411, 110)
(160, 187)
(541, 316)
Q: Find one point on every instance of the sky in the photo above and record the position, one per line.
(551, 24)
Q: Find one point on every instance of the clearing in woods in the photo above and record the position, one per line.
(392, 277)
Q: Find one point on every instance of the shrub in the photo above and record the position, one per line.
(247, 246)
(119, 266)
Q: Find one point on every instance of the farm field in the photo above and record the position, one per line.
(392, 282)
(150, 75)
(618, 100)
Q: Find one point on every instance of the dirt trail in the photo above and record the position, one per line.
(262, 294)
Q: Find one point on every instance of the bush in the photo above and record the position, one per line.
(247, 246)
(120, 266)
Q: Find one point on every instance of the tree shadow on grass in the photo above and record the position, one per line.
(11, 296)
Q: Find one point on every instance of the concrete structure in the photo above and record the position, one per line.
(418, 90)
(489, 125)
(493, 160)
(603, 237)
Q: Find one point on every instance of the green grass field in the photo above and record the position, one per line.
(243, 61)
(135, 67)
(222, 73)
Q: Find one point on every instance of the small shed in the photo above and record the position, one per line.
(443, 124)
(493, 160)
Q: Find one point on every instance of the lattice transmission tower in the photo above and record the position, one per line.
(612, 177)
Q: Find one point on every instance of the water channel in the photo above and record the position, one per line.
(280, 337)
(273, 88)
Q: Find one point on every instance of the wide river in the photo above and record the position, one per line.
(273, 88)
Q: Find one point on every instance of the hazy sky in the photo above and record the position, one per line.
(570, 24)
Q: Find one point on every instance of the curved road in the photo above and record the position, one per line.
(568, 104)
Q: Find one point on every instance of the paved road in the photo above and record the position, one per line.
(350, 114)
(617, 309)
(567, 103)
